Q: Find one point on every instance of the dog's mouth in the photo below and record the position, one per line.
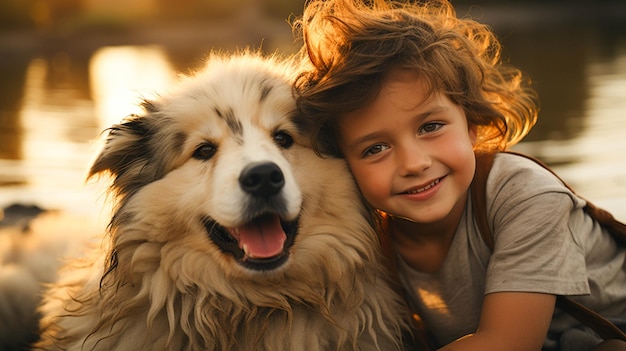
(261, 244)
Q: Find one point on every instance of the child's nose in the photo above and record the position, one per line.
(412, 160)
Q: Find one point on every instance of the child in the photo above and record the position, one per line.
(408, 94)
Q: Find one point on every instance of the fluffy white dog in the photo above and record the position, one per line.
(228, 233)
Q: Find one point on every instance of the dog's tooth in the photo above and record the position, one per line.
(245, 253)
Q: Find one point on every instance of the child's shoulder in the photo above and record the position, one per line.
(515, 159)
(508, 165)
(516, 174)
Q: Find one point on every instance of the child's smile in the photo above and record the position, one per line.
(424, 191)
(411, 152)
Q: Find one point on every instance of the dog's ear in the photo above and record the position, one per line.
(125, 152)
(122, 147)
(128, 154)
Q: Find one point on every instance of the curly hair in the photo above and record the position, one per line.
(350, 45)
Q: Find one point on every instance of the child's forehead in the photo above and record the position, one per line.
(402, 77)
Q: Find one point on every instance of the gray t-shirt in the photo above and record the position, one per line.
(544, 242)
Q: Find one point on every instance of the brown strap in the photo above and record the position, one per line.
(478, 191)
(584, 315)
(590, 318)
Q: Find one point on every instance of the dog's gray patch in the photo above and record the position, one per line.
(265, 91)
(233, 124)
(149, 106)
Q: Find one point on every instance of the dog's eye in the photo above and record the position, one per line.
(204, 151)
(283, 139)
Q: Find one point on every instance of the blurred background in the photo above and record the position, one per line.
(70, 68)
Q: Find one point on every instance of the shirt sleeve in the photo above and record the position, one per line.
(534, 249)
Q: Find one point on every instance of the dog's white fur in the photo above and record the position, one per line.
(164, 284)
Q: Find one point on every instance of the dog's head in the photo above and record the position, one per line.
(221, 155)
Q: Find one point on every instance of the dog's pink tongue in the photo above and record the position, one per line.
(263, 237)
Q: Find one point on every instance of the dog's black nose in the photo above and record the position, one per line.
(262, 179)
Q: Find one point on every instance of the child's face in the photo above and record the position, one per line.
(410, 153)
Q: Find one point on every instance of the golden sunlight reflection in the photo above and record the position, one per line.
(60, 122)
(433, 301)
(121, 76)
(56, 124)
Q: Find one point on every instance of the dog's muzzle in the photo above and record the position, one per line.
(263, 242)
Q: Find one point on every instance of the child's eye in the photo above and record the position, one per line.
(375, 149)
(430, 127)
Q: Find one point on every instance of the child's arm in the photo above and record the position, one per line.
(512, 321)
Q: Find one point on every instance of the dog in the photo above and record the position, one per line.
(228, 231)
